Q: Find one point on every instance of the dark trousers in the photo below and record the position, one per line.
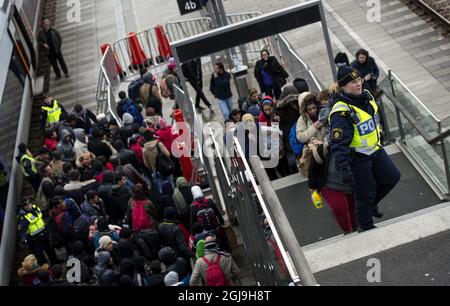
(375, 177)
(200, 95)
(273, 91)
(40, 243)
(54, 59)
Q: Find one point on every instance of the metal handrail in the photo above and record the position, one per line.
(414, 96)
(284, 40)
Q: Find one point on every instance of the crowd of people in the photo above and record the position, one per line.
(115, 198)
(333, 137)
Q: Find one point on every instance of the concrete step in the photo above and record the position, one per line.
(392, 233)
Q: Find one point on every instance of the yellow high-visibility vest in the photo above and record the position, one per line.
(53, 113)
(366, 137)
(33, 164)
(37, 224)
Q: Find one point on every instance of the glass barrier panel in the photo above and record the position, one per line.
(430, 157)
(422, 118)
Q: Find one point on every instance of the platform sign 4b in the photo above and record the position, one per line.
(189, 6)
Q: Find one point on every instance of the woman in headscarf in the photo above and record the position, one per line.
(271, 76)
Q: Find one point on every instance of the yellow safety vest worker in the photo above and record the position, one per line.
(53, 113)
(366, 137)
(32, 161)
(37, 224)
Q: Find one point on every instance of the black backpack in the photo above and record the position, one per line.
(152, 239)
(164, 165)
(81, 227)
(133, 89)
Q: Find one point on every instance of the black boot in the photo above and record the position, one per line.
(377, 213)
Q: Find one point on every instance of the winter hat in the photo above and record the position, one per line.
(171, 64)
(267, 100)
(248, 118)
(167, 255)
(211, 243)
(288, 90)
(80, 135)
(171, 279)
(103, 258)
(301, 85)
(254, 110)
(127, 119)
(148, 78)
(197, 192)
(104, 242)
(301, 97)
(346, 74)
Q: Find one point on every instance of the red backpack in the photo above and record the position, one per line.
(214, 274)
(139, 217)
(206, 216)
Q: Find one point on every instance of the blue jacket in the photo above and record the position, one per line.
(341, 121)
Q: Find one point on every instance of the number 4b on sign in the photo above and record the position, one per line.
(189, 6)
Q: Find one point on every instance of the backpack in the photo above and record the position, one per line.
(214, 274)
(152, 239)
(55, 235)
(139, 217)
(206, 216)
(296, 145)
(165, 91)
(128, 107)
(164, 165)
(81, 227)
(133, 89)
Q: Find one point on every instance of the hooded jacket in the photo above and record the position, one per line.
(287, 109)
(229, 268)
(172, 236)
(150, 153)
(305, 125)
(166, 136)
(104, 273)
(66, 149)
(80, 145)
(182, 197)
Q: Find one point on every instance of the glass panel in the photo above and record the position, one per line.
(430, 157)
(412, 108)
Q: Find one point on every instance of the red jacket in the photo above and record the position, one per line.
(166, 137)
(50, 144)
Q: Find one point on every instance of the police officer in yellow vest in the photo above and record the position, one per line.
(356, 145)
(28, 165)
(32, 231)
(51, 113)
